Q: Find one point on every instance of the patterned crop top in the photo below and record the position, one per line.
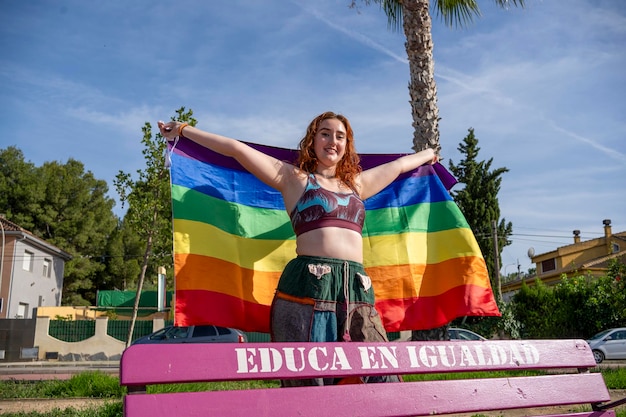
(319, 207)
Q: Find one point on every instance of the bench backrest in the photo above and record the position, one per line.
(179, 363)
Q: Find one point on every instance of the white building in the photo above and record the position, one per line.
(31, 272)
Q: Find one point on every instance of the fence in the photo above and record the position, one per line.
(102, 339)
(79, 330)
(75, 331)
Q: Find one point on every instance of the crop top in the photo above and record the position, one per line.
(319, 207)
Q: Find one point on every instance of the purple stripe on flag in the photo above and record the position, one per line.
(190, 149)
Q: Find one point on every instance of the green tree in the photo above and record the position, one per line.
(20, 188)
(577, 307)
(570, 314)
(415, 19)
(124, 250)
(66, 206)
(478, 201)
(77, 216)
(533, 307)
(149, 213)
(617, 280)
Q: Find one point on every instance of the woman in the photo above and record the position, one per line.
(323, 294)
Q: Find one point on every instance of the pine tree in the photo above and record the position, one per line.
(478, 201)
(66, 206)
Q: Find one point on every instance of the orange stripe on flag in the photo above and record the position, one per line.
(197, 272)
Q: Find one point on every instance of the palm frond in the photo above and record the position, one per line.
(456, 12)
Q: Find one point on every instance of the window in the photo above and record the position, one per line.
(27, 263)
(548, 265)
(202, 331)
(223, 330)
(177, 333)
(22, 309)
(615, 247)
(47, 267)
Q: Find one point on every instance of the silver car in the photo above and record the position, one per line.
(609, 344)
(194, 334)
(456, 333)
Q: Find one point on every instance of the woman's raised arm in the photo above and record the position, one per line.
(268, 169)
(373, 180)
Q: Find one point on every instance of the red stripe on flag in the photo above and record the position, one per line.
(207, 307)
(432, 312)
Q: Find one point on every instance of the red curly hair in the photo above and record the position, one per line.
(349, 166)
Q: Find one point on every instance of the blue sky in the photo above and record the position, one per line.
(543, 87)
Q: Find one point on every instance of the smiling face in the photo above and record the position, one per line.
(328, 147)
(329, 143)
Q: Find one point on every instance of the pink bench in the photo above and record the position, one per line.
(567, 382)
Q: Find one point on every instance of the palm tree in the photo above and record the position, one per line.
(414, 17)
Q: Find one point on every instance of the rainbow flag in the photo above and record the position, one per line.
(232, 238)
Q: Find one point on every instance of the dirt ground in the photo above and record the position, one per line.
(45, 405)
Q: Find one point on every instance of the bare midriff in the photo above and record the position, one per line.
(331, 242)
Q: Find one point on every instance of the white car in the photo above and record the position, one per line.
(609, 344)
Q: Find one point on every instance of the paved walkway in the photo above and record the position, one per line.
(43, 370)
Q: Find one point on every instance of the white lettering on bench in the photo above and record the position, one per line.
(432, 356)
(253, 360)
(319, 358)
(378, 357)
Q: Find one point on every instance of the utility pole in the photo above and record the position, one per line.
(496, 260)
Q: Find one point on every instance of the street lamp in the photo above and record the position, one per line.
(515, 264)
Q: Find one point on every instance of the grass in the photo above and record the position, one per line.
(93, 384)
(100, 385)
(614, 378)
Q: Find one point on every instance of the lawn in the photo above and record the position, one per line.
(100, 385)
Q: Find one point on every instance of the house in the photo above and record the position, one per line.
(590, 257)
(31, 272)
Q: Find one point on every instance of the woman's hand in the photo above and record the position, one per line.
(170, 129)
(430, 154)
(435, 158)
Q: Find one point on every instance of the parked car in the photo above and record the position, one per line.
(609, 344)
(194, 334)
(456, 333)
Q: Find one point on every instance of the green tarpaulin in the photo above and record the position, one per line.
(124, 301)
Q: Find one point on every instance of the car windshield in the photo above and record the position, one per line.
(465, 335)
(600, 335)
(158, 335)
(177, 333)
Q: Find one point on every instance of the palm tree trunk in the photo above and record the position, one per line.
(417, 26)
